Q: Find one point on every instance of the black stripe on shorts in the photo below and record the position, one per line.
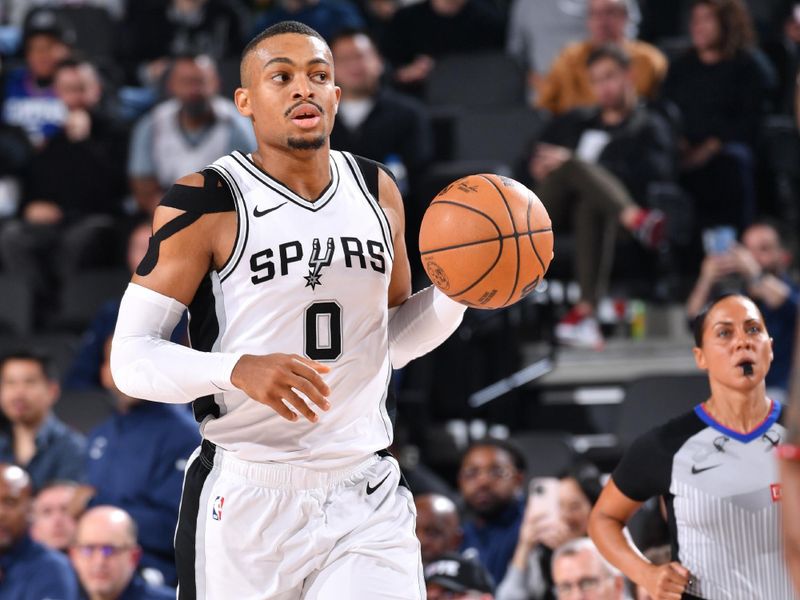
(186, 532)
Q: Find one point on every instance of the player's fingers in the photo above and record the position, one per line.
(300, 405)
(279, 407)
(680, 570)
(317, 366)
(308, 373)
(300, 383)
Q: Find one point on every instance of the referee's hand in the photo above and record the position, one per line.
(276, 379)
(667, 582)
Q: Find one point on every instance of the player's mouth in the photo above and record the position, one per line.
(306, 116)
(746, 366)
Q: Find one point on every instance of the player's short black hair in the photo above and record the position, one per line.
(41, 358)
(699, 321)
(517, 457)
(612, 52)
(57, 483)
(279, 29)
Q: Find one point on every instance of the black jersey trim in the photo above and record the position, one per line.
(242, 223)
(283, 190)
(772, 417)
(211, 198)
(372, 201)
(186, 531)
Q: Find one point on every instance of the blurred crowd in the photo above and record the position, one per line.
(661, 136)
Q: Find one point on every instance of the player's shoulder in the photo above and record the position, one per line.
(376, 175)
(202, 192)
(670, 436)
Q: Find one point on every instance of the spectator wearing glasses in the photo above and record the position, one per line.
(580, 572)
(490, 480)
(105, 556)
(30, 571)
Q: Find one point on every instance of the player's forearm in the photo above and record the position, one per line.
(146, 365)
(421, 323)
(609, 537)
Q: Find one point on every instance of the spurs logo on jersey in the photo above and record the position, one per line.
(356, 254)
(311, 279)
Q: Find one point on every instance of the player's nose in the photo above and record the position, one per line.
(302, 88)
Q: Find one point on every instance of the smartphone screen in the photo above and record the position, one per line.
(543, 496)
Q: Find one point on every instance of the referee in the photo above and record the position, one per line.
(715, 468)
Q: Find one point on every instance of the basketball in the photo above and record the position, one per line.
(486, 241)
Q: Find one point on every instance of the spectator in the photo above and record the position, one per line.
(147, 484)
(84, 373)
(378, 15)
(27, 95)
(578, 566)
(105, 556)
(52, 521)
(185, 133)
(19, 10)
(593, 166)
(155, 31)
(16, 153)
(784, 52)
(30, 571)
(63, 227)
(458, 578)
(567, 84)
(529, 574)
(423, 32)
(719, 87)
(374, 121)
(759, 266)
(328, 17)
(438, 526)
(490, 480)
(35, 439)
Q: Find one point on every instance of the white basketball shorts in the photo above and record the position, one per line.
(258, 531)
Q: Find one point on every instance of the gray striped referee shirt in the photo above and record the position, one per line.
(722, 495)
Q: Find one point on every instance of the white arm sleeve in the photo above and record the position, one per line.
(145, 364)
(421, 323)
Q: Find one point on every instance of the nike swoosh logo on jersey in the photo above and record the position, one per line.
(261, 213)
(695, 470)
(371, 490)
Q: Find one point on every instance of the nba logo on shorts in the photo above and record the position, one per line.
(776, 492)
(216, 509)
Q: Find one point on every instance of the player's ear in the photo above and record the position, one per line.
(241, 98)
(338, 91)
(700, 358)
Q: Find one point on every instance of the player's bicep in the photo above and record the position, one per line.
(392, 203)
(181, 249)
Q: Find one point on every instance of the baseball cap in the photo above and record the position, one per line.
(47, 22)
(459, 574)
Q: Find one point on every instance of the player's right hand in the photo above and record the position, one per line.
(275, 379)
(667, 582)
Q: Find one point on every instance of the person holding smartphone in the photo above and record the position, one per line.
(557, 511)
(715, 468)
(759, 267)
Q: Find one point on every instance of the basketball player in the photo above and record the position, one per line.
(293, 266)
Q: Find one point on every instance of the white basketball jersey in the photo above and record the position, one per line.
(309, 278)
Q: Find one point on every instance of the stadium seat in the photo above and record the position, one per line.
(501, 134)
(83, 295)
(547, 453)
(16, 306)
(84, 409)
(652, 401)
(478, 80)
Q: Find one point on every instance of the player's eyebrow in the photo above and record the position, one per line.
(288, 61)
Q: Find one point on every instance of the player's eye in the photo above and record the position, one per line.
(321, 77)
(280, 77)
(723, 333)
(754, 329)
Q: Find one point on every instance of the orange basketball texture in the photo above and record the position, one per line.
(486, 241)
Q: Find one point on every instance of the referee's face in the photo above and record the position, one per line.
(734, 334)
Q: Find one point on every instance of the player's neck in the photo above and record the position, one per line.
(306, 172)
(740, 411)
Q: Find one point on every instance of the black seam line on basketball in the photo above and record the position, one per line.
(385, 226)
(514, 227)
(494, 239)
(369, 202)
(223, 173)
(533, 246)
(317, 204)
(239, 201)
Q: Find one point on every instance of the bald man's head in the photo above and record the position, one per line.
(438, 526)
(15, 504)
(105, 553)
